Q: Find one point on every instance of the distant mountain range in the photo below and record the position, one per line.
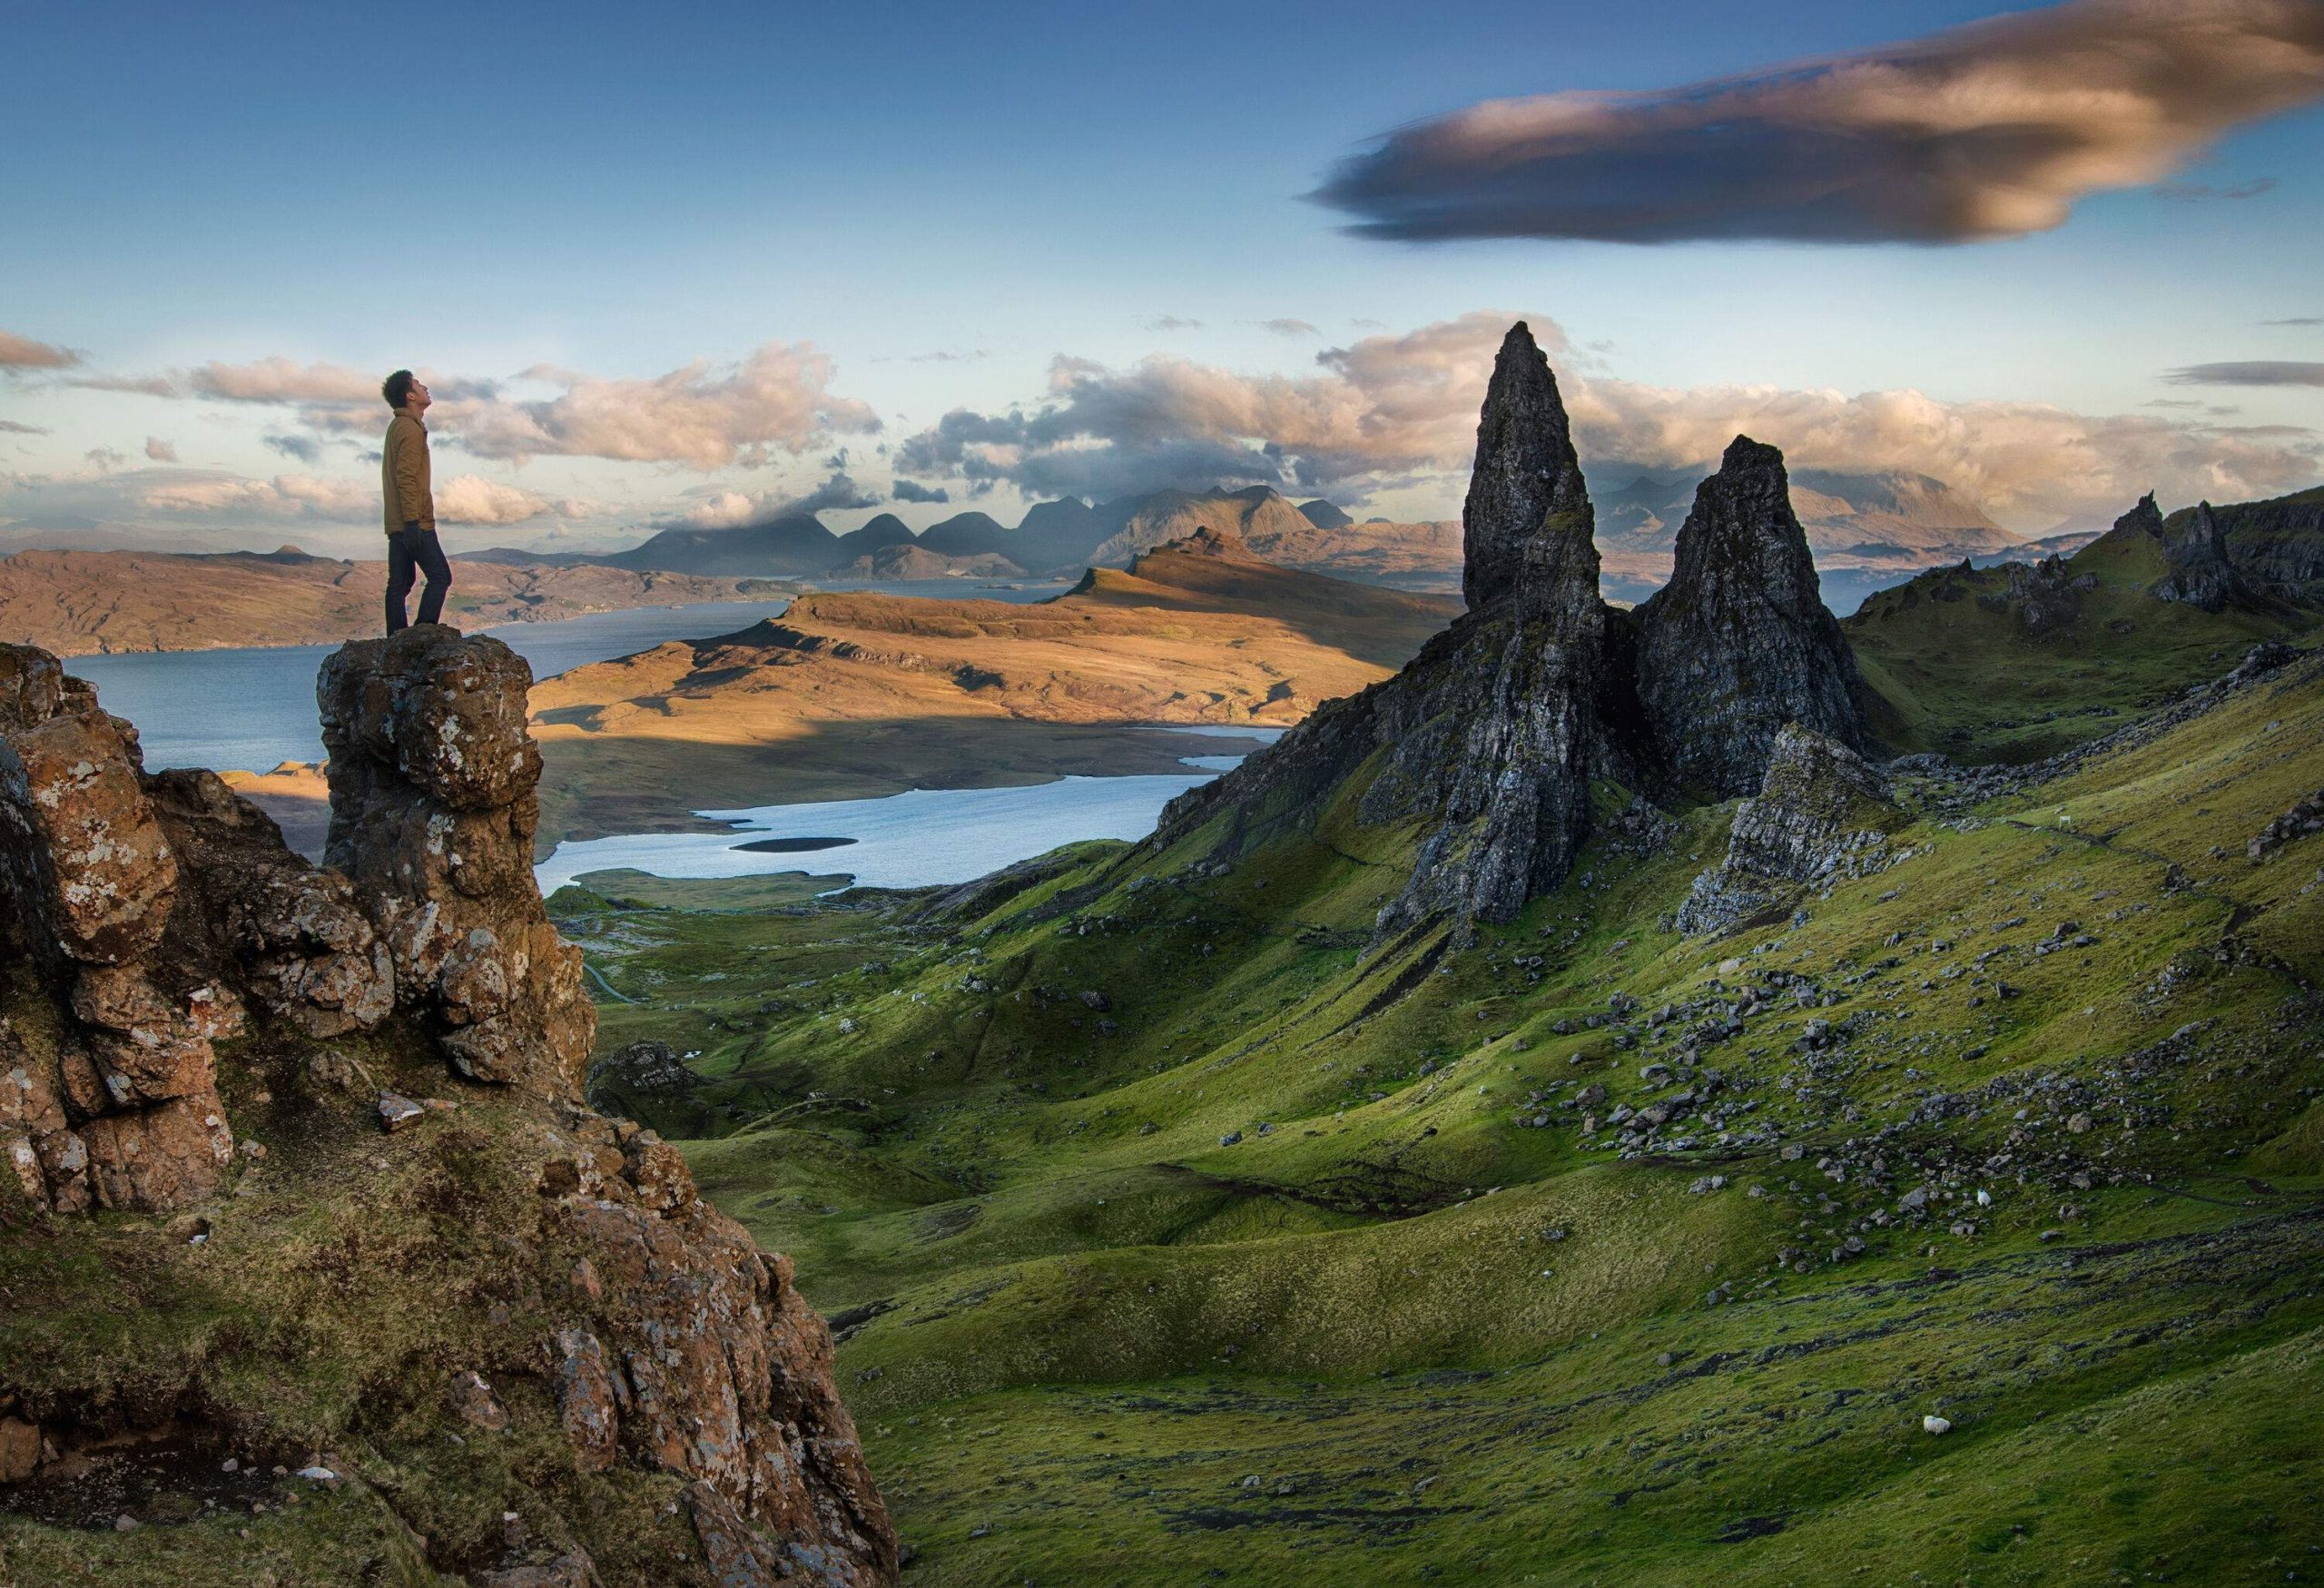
(1844, 514)
(1866, 531)
(1059, 536)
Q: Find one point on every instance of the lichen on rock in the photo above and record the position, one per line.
(108, 1080)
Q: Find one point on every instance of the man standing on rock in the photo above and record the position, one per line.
(412, 547)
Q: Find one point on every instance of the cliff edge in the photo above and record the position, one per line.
(316, 1267)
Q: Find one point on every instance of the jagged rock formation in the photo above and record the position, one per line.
(2047, 597)
(2199, 571)
(109, 1093)
(1490, 737)
(1528, 513)
(1822, 814)
(657, 1395)
(2276, 545)
(1739, 641)
(1488, 741)
(432, 818)
(287, 936)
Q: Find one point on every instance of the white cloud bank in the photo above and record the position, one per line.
(1399, 410)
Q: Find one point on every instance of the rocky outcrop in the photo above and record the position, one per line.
(1489, 738)
(108, 1080)
(1488, 741)
(1822, 815)
(285, 935)
(1739, 641)
(638, 1080)
(611, 1335)
(2276, 545)
(2199, 572)
(2046, 597)
(433, 812)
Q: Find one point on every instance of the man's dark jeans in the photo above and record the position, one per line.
(411, 552)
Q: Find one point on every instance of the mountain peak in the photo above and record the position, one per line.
(1527, 524)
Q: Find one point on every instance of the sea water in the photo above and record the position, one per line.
(252, 709)
(923, 838)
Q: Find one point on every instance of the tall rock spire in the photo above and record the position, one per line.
(1527, 523)
(1739, 641)
(1487, 741)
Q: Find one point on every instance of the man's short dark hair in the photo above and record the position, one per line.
(396, 387)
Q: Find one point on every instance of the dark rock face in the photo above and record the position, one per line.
(1494, 747)
(1739, 641)
(1822, 814)
(2277, 546)
(1528, 512)
(1489, 736)
(432, 816)
(2201, 573)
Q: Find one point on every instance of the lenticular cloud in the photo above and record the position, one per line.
(1989, 131)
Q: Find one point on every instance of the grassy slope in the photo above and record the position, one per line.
(1957, 670)
(1388, 1336)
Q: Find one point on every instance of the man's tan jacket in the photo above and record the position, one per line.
(403, 475)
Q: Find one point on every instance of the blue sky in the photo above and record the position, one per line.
(616, 195)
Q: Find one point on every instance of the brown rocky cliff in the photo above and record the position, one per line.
(111, 1101)
(426, 1232)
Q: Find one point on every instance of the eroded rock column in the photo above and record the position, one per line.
(432, 817)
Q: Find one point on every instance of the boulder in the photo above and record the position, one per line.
(648, 1071)
(433, 812)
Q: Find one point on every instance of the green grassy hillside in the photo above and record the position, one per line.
(1985, 665)
(1176, 1234)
